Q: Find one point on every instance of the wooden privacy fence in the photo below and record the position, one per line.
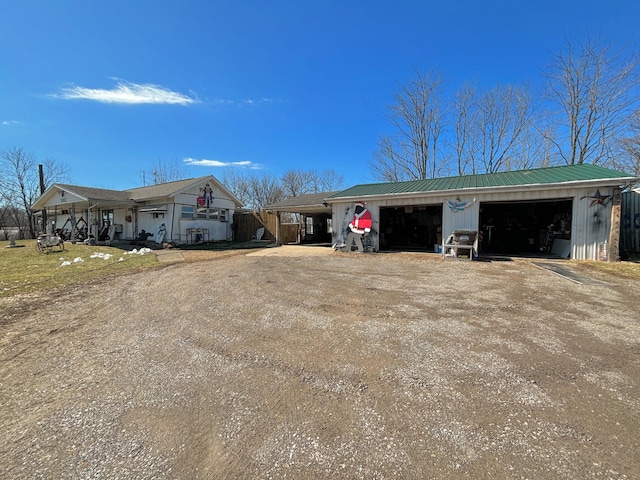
(246, 224)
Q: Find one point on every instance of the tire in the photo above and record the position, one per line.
(39, 247)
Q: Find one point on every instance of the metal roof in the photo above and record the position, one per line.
(163, 189)
(538, 176)
(91, 193)
(132, 195)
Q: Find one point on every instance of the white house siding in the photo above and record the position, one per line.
(217, 230)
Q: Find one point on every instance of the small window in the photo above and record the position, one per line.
(208, 213)
(187, 212)
(309, 222)
(223, 215)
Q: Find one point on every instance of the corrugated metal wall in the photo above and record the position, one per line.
(590, 220)
(630, 222)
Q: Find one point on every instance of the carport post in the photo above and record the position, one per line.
(614, 232)
(278, 234)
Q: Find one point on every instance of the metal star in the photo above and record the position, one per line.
(598, 199)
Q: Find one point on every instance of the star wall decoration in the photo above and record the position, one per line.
(597, 199)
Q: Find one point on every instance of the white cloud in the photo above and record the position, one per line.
(250, 101)
(128, 93)
(218, 163)
(9, 122)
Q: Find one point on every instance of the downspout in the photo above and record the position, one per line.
(173, 219)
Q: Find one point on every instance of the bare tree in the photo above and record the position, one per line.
(596, 91)
(163, 171)
(300, 182)
(462, 107)
(418, 118)
(21, 185)
(494, 130)
(628, 158)
(254, 191)
(502, 115)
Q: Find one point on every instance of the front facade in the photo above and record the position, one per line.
(186, 211)
(567, 211)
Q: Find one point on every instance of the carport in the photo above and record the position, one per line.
(312, 214)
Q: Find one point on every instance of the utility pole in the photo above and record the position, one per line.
(45, 225)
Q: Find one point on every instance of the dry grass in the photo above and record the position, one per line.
(630, 269)
(25, 270)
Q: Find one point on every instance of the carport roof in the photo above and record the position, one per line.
(311, 202)
(538, 176)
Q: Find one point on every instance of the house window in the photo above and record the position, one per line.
(187, 212)
(208, 213)
(107, 218)
(212, 214)
(309, 222)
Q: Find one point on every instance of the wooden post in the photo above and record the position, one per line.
(278, 233)
(614, 232)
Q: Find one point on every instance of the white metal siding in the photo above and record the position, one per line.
(590, 221)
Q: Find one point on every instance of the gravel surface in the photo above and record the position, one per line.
(281, 364)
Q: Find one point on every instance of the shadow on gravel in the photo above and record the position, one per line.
(568, 273)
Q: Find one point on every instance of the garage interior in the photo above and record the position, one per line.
(316, 228)
(525, 228)
(410, 227)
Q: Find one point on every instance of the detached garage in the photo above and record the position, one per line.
(565, 211)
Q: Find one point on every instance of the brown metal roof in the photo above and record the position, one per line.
(302, 203)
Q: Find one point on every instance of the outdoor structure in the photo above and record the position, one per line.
(569, 211)
(186, 211)
(313, 213)
(630, 228)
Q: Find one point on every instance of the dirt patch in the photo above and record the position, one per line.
(342, 365)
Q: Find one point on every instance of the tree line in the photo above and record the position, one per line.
(20, 187)
(587, 110)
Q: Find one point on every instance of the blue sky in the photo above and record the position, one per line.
(110, 88)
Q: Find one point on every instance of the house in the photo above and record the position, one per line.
(185, 211)
(569, 211)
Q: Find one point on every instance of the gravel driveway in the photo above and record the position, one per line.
(324, 366)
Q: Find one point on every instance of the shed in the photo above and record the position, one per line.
(565, 210)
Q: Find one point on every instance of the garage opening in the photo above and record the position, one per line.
(524, 228)
(411, 227)
(316, 228)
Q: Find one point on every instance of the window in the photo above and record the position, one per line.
(212, 214)
(309, 222)
(208, 213)
(187, 212)
(107, 218)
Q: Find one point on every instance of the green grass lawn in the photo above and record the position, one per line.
(23, 269)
